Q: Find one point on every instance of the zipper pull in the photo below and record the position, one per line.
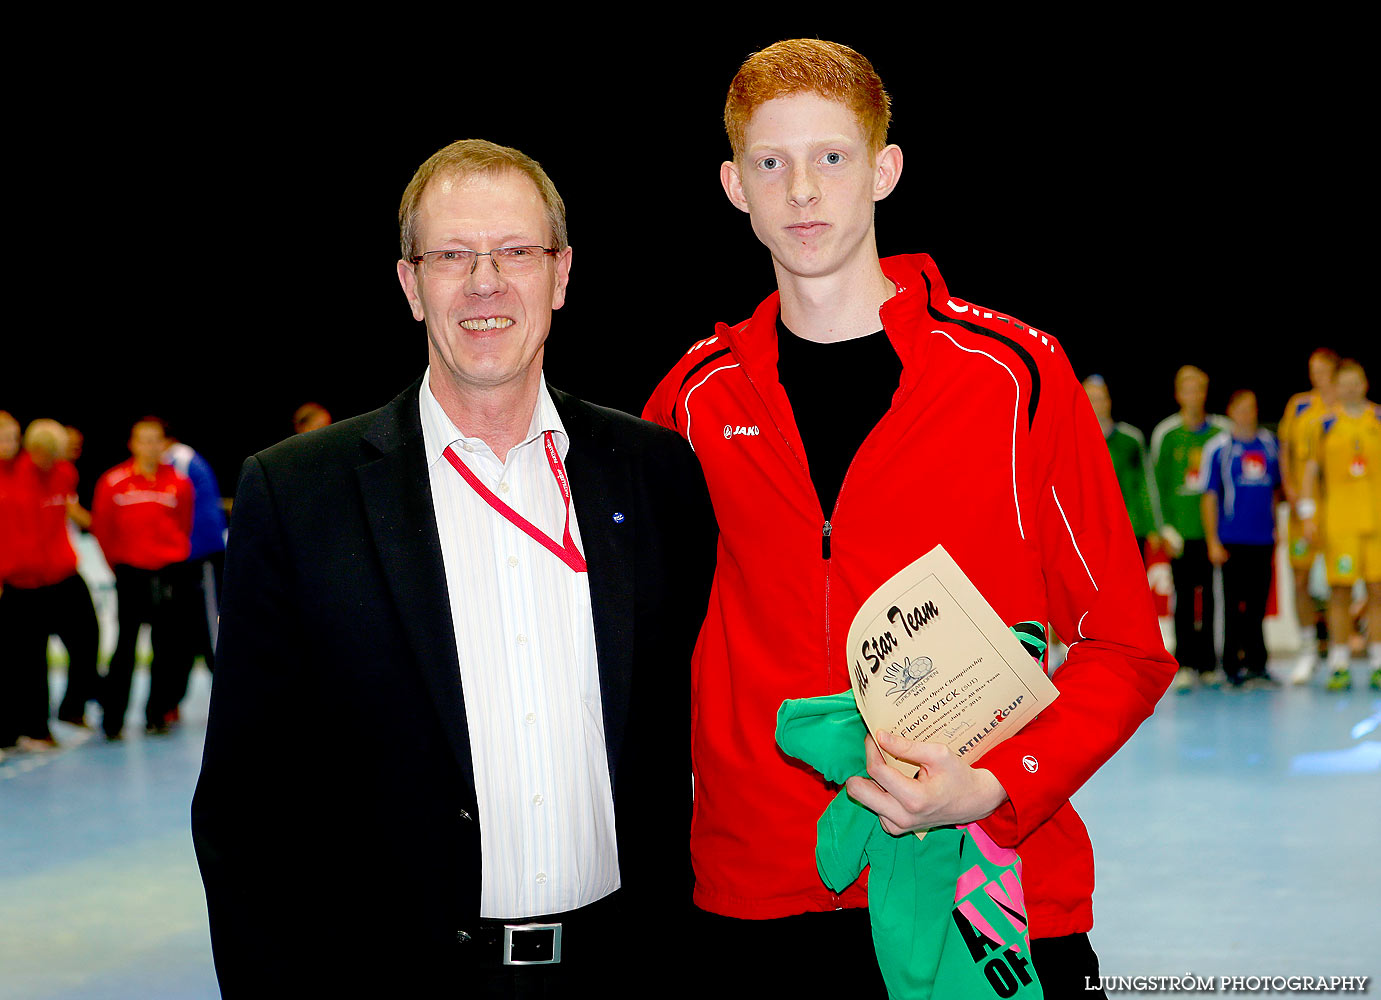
(825, 541)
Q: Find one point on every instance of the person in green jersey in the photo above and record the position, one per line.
(1130, 461)
(1177, 444)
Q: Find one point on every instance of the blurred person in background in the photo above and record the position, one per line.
(79, 514)
(1241, 480)
(1298, 428)
(75, 441)
(1342, 491)
(142, 517)
(52, 597)
(1177, 445)
(1130, 461)
(309, 417)
(204, 562)
(9, 547)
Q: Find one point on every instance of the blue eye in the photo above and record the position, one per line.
(834, 158)
(769, 163)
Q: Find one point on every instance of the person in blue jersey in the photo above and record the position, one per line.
(1241, 476)
(201, 603)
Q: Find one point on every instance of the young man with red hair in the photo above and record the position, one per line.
(860, 417)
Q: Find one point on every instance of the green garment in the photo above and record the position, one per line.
(1176, 451)
(1129, 460)
(947, 911)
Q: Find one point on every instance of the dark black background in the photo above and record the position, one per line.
(208, 230)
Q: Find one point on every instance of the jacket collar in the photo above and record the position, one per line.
(919, 287)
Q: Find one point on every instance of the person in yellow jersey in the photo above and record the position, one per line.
(1297, 428)
(1342, 488)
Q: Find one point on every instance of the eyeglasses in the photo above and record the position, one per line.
(508, 261)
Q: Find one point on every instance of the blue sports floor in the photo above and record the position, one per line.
(1239, 833)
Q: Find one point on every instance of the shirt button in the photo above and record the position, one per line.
(530, 718)
(513, 560)
(537, 799)
(503, 487)
(522, 640)
(541, 878)
(468, 447)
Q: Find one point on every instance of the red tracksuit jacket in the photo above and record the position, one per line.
(42, 552)
(141, 522)
(990, 448)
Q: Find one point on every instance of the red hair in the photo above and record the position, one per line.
(808, 65)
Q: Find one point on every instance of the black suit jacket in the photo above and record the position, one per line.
(335, 818)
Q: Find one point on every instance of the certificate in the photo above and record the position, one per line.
(930, 660)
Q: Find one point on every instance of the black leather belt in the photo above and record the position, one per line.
(557, 938)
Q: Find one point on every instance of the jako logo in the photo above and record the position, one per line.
(731, 431)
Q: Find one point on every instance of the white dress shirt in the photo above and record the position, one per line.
(526, 642)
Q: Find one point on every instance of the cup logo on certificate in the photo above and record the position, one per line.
(930, 660)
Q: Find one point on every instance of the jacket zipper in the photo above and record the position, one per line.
(827, 526)
(825, 529)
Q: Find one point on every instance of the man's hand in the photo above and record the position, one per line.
(945, 792)
(1217, 553)
(1174, 541)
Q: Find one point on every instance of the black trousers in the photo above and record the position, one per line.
(1193, 576)
(62, 609)
(9, 674)
(1246, 587)
(1065, 965)
(158, 598)
(198, 610)
(830, 954)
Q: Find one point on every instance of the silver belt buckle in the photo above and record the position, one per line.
(529, 935)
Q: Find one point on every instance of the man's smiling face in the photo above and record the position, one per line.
(485, 329)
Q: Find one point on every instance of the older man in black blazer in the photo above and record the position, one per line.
(390, 842)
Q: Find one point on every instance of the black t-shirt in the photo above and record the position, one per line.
(832, 418)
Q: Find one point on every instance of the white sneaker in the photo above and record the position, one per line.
(1303, 670)
(1185, 679)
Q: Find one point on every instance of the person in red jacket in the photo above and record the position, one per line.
(142, 517)
(47, 595)
(861, 416)
(10, 515)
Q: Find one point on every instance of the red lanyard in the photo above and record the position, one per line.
(567, 553)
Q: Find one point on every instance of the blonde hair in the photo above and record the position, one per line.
(47, 436)
(1189, 371)
(476, 156)
(1352, 365)
(808, 65)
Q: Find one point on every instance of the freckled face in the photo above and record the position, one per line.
(808, 181)
(485, 329)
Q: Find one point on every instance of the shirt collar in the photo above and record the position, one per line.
(438, 432)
